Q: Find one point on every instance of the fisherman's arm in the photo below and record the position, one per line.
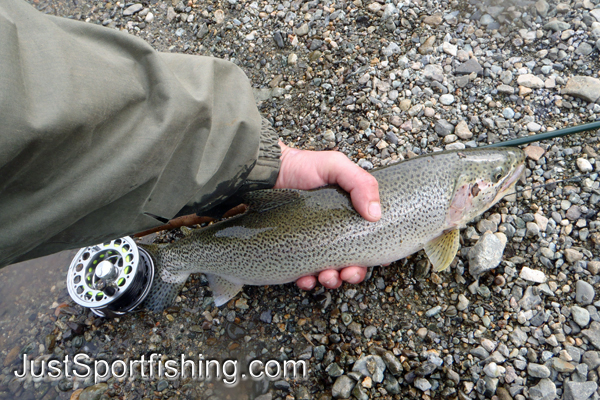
(103, 137)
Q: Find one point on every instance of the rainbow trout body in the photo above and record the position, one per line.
(287, 234)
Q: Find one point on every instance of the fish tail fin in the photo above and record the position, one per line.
(223, 289)
(166, 285)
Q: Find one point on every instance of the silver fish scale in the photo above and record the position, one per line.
(320, 229)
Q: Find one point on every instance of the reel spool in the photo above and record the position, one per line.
(112, 278)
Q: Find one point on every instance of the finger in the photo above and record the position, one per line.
(330, 278)
(362, 186)
(307, 282)
(353, 274)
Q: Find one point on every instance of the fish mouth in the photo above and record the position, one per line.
(510, 181)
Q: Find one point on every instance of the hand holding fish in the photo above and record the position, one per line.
(302, 169)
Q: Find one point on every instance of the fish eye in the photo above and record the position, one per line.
(497, 174)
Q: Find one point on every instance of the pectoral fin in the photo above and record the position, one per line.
(442, 250)
(223, 289)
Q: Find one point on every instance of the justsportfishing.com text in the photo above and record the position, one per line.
(157, 366)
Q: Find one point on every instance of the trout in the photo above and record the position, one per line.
(287, 234)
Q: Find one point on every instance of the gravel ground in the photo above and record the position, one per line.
(380, 82)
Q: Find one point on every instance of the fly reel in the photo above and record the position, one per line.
(112, 278)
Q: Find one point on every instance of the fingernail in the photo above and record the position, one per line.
(355, 278)
(375, 209)
(330, 282)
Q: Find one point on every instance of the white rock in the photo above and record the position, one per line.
(292, 59)
(530, 81)
(534, 127)
(584, 165)
(449, 48)
(532, 275)
(446, 99)
(580, 315)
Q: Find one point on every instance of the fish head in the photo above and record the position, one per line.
(484, 176)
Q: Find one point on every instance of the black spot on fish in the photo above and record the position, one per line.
(475, 190)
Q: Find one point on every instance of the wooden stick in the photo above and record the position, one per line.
(189, 220)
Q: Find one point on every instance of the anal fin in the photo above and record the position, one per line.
(165, 288)
(442, 250)
(223, 289)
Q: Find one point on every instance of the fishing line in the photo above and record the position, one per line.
(578, 177)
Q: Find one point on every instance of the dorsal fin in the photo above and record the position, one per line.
(264, 200)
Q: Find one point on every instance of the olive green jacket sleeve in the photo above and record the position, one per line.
(102, 136)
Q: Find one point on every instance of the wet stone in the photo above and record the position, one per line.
(372, 366)
(334, 370)
(392, 363)
(93, 392)
(342, 387)
(422, 384)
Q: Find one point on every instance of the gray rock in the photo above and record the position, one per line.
(585, 87)
(342, 387)
(480, 352)
(434, 72)
(486, 254)
(518, 337)
(593, 334)
(391, 49)
(508, 112)
(302, 30)
(544, 390)
(581, 316)
(334, 370)
(94, 392)
(371, 366)
(469, 67)
(422, 384)
(530, 81)
(443, 128)
(530, 299)
(171, 14)
(557, 26)
(365, 164)
(542, 7)
(393, 364)
(162, 385)
(591, 358)
(573, 213)
(584, 293)
(360, 393)
(584, 49)
(579, 390)
(202, 31)
(560, 365)
(538, 370)
(135, 8)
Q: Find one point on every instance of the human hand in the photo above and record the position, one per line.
(303, 169)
